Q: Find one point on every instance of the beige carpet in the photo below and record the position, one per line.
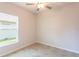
(40, 50)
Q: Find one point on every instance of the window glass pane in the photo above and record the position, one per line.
(8, 29)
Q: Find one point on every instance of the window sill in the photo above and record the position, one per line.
(8, 42)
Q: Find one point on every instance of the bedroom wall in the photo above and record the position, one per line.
(60, 28)
(26, 27)
(57, 28)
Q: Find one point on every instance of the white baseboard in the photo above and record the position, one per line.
(59, 47)
(16, 49)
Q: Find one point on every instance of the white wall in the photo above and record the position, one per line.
(55, 28)
(60, 28)
(26, 27)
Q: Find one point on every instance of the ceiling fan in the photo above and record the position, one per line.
(39, 5)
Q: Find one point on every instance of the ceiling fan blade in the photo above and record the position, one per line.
(49, 7)
(29, 3)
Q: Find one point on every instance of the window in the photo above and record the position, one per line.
(8, 29)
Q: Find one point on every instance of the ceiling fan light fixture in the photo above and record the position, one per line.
(40, 5)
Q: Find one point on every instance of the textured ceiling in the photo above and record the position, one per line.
(54, 5)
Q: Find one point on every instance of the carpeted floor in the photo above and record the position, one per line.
(40, 50)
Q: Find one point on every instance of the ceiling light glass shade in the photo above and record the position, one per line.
(40, 5)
